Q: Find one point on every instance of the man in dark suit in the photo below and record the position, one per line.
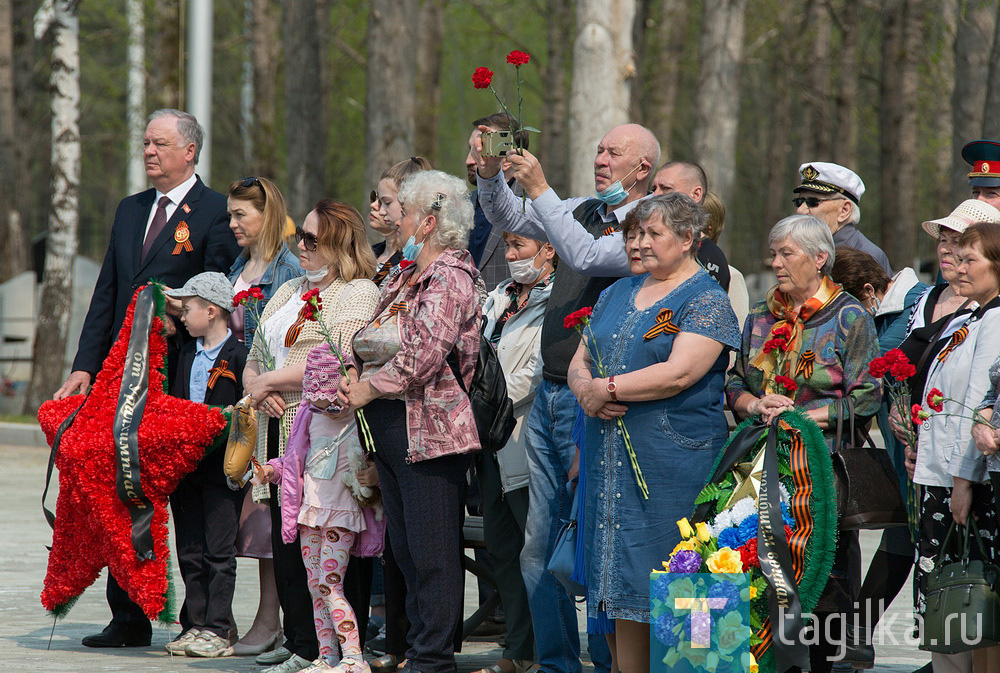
(171, 232)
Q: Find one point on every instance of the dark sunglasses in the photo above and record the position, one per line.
(373, 197)
(811, 201)
(309, 240)
(250, 182)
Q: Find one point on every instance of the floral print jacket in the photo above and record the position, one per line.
(442, 314)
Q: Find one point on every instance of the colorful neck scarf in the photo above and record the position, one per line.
(784, 342)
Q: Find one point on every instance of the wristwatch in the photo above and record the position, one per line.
(612, 388)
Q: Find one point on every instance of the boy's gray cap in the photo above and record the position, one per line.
(211, 286)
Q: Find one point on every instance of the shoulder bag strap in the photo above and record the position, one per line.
(937, 336)
(452, 361)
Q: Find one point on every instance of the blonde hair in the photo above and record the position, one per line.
(716, 211)
(399, 172)
(342, 238)
(265, 196)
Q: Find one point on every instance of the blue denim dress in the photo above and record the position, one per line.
(676, 440)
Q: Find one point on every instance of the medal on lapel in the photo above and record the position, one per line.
(182, 237)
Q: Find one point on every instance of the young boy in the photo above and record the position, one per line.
(206, 511)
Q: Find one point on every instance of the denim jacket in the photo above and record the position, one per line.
(282, 269)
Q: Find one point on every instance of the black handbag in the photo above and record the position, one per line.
(867, 488)
(491, 406)
(963, 606)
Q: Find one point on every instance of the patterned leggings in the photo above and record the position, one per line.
(325, 553)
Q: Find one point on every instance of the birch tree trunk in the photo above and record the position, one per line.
(720, 50)
(973, 38)
(903, 22)
(265, 44)
(391, 99)
(136, 175)
(603, 70)
(428, 85)
(59, 19)
(552, 141)
(305, 130)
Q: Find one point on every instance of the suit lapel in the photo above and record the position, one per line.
(184, 371)
(180, 213)
(137, 228)
(491, 245)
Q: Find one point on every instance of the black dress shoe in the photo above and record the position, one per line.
(114, 635)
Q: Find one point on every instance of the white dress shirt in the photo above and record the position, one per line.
(176, 196)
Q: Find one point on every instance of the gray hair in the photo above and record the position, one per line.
(187, 126)
(809, 233)
(855, 213)
(678, 212)
(447, 198)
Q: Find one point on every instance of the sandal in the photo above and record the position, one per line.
(387, 663)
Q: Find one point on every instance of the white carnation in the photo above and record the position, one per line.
(743, 509)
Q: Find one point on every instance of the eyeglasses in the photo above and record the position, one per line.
(309, 240)
(373, 197)
(812, 201)
(250, 182)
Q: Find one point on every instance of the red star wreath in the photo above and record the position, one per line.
(93, 528)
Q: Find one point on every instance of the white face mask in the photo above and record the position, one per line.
(524, 271)
(317, 275)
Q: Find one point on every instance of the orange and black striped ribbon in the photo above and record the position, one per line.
(296, 327)
(663, 324)
(396, 308)
(222, 371)
(805, 366)
(804, 524)
(612, 229)
(956, 338)
(382, 272)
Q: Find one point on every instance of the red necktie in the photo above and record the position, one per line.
(159, 221)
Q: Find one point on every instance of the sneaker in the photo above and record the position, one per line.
(352, 664)
(321, 665)
(207, 644)
(293, 664)
(179, 644)
(276, 656)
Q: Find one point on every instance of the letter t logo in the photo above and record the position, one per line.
(701, 624)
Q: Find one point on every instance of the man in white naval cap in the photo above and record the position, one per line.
(832, 194)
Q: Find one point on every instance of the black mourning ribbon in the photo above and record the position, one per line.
(128, 416)
(784, 606)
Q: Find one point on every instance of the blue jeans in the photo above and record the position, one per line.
(550, 455)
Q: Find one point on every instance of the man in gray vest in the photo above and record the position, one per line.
(586, 235)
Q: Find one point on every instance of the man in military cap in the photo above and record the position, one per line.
(832, 194)
(984, 157)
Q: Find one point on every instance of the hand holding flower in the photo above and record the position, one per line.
(524, 168)
(985, 438)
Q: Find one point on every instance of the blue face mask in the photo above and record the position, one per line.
(615, 193)
(412, 249)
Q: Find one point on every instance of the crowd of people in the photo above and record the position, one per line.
(368, 454)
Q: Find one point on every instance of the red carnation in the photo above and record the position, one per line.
(783, 332)
(895, 355)
(240, 297)
(789, 385)
(482, 77)
(313, 304)
(878, 367)
(256, 293)
(935, 400)
(775, 344)
(577, 318)
(902, 370)
(517, 58)
(405, 264)
(748, 554)
(788, 532)
(918, 415)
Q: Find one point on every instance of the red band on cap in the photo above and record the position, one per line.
(983, 167)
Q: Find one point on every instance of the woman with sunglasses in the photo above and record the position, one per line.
(384, 215)
(257, 218)
(338, 261)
